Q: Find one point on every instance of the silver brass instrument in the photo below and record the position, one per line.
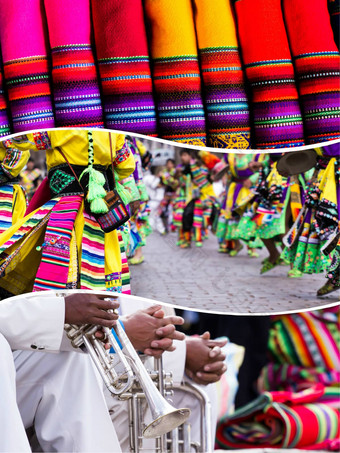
(178, 440)
(165, 417)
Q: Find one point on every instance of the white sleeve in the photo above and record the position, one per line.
(33, 321)
(175, 361)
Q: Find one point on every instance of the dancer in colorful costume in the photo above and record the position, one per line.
(195, 203)
(239, 192)
(60, 244)
(277, 199)
(139, 221)
(312, 244)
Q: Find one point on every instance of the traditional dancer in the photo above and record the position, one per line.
(60, 244)
(195, 202)
(316, 230)
(239, 192)
(139, 221)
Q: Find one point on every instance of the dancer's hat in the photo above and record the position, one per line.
(296, 162)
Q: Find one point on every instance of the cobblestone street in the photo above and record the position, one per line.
(202, 278)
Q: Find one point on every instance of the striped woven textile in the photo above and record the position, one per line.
(5, 127)
(296, 378)
(275, 110)
(29, 225)
(317, 66)
(225, 97)
(176, 73)
(54, 265)
(282, 420)
(307, 339)
(75, 85)
(6, 206)
(24, 52)
(125, 277)
(92, 274)
(124, 66)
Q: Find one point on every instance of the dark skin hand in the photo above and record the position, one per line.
(204, 360)
(151, 332)
(90, 309)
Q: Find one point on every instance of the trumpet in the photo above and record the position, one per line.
(179, 440)
(122, 369)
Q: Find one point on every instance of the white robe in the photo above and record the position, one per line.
(57, 391)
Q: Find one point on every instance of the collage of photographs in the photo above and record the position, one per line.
(169, 226)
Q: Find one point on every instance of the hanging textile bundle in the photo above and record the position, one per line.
(25, 59)
(124, 66)
(75, 85)
(176, 74)
(225, 98)
(277, 119)
(317, 66)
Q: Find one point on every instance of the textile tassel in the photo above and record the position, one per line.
(96, 192)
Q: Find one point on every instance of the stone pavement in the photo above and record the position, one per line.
(203, 279)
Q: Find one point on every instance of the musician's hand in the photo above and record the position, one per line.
(204, 360)
(90, 309)
(151, 332)
(100, 335)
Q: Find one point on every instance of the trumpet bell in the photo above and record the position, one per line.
(167, 422)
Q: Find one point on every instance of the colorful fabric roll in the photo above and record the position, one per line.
(282, 420)
(275, 110)
(124, 66)
(5, 127)
(75, 85)
(176, 73)
(24, 52)
(317, 66)
(225, 97)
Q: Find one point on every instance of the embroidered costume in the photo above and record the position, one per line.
(60, 244)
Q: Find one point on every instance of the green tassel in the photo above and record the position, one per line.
(96, 192)
(98, 206)
(124, 194)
